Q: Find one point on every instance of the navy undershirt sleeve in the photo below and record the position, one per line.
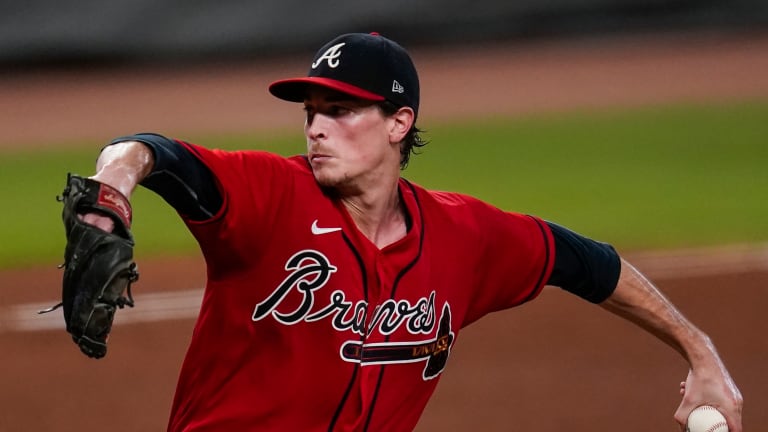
(584, 267)
(179, 177)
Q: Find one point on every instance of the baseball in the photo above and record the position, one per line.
(706, 419)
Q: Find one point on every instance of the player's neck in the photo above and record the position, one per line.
(378, 214)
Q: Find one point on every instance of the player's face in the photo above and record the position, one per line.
(349, 140)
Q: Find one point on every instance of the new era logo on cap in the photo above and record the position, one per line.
(368, 66)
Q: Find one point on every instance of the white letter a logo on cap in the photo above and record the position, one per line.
(332, 55)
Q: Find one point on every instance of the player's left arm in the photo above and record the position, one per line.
(709, 382)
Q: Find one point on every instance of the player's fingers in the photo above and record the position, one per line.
(681, 425)
(683, 411)
(682, 388)
(680, 419)
(733, 416)
(100, 221)
(681, 415)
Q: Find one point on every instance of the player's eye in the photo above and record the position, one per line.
(337, 110)
(309, 112)
(330, 110)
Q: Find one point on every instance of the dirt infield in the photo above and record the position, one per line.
(552, 365)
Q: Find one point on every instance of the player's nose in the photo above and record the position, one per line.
(315, 127)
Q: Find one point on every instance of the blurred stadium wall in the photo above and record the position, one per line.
(51, 31)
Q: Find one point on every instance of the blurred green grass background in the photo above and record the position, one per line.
(663, 177)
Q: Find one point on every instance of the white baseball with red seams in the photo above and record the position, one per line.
(706, 419)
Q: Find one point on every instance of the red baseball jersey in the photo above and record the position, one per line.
(306, 325)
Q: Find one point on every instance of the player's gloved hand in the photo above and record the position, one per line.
(98, 261)
(711, 386)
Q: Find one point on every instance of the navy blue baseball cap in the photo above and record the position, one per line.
(364, 65)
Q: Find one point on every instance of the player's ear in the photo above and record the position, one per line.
(401, 123)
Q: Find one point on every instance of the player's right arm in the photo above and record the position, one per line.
(122, 166)
(164, 166)
(595, 272)
(709, 382)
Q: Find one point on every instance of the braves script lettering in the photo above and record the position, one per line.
(310, 271)
(389, 316)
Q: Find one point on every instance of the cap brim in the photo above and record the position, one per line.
(295, 89)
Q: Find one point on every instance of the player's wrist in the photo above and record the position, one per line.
(124, 165)
(701, 353)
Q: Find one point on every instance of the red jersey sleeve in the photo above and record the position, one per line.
(245, 175)
(253, 186)
(514, 258)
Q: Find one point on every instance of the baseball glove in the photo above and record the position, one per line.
(98, 265)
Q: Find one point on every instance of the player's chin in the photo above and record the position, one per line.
(325, 178)
(331, 179)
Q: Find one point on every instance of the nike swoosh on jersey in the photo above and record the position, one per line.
(316, 230)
